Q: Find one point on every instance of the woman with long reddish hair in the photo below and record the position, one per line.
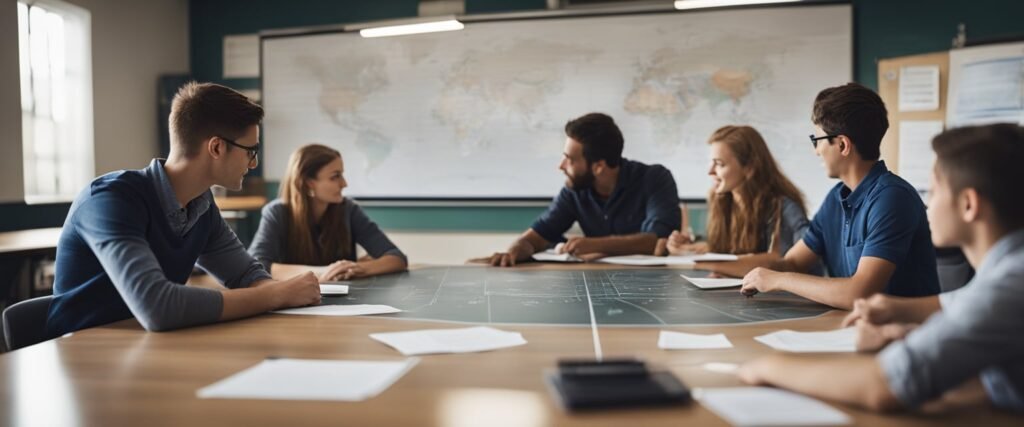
(312, 223)
(753, 209)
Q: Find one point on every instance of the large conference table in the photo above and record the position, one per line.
(119, 374)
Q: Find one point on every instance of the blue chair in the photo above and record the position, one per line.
(25, 323)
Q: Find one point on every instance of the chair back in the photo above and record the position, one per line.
(954, 270)
(25, 323)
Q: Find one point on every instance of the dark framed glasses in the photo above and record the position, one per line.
(815, 139)
(251, 151)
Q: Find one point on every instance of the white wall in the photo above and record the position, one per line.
(133, 42)
(11, 170)
(448, 248)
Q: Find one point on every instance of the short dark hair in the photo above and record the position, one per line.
(855, 111)
(203, 110)
(989, 159)
(601, 138)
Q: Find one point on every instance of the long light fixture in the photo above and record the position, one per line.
(702, 4)
(448, 23)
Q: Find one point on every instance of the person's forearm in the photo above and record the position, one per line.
(523, 245)
(786, 265)
(740, 267)
(383, 265)
(524, 248)
(641, 243)
(832, 291)
(915, 310)
(856, 380)
(284, 271)
(239, 303)
(259, 283)
(970, 395)
(661, 247)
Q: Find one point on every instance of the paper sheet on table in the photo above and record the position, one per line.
(669, 340)
(837, 341)
(462, 340)
(713, 283)
(341, 310)
(305, 379)
(333, 289)
(676, 260)
(765, 406)
(635, 260)
(708, 257)
(552, 256)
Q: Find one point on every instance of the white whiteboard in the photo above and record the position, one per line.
(479, 113)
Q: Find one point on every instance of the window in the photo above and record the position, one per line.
(56, 99)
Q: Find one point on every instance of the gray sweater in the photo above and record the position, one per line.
(271, 242)
(793, 225)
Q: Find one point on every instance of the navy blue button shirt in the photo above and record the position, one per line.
(883, 218)
(644, 200)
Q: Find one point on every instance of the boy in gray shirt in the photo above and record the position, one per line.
(967, 349)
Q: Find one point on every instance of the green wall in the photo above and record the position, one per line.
(889, 28)
(19, 216)
(882, 29)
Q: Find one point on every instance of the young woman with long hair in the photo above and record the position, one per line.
(753, 209)
(312, 223)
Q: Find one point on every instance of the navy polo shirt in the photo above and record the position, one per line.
(883, 218)
(644, 200)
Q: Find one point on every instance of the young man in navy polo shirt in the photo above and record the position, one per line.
(132, 237)
(623, 206)
(871, 230)
(964, 346)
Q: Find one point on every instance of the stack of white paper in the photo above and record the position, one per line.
(302, 379)
(710, 283)
(837, 341)
(669, 340)
(464, 340)
(634, 260)
(709, 257)
(764, 406)
(677, 260)
(552, 256)
(333, 289)
(341, 310)
(721, 367)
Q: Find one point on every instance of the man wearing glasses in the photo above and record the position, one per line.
(132, 237)
(871, 230)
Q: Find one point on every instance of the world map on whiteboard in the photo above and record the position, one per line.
(480, 112)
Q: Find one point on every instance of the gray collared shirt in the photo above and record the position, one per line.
(229, 263)
(792, 227)
(180, 218)
(978, 332)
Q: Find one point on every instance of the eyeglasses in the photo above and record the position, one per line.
(815, 139)
(251, 151)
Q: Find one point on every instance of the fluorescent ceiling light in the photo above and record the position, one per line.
(422, 27)
(701, 4)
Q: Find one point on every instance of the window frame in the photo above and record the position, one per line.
(57, 103)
